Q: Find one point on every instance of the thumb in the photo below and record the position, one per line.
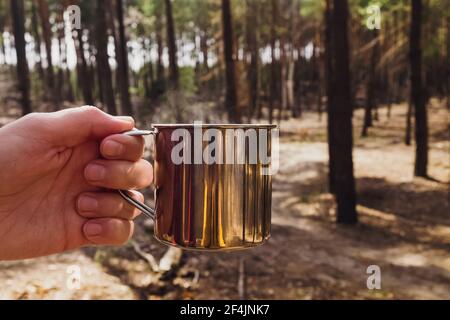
(73, 126)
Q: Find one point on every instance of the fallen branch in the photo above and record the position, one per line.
(171, 259)
(146, 256)
(242, 281)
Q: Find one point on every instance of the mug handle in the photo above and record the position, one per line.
(146, 210)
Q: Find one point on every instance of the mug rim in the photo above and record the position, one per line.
(215, 125)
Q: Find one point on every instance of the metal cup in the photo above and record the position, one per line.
(210, 205)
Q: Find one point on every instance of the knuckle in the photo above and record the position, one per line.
(90, 110)
(128, 170)
(33, 117)
(129, 211)
(120, 206)
(127, 232)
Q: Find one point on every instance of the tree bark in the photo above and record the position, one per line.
(83, 75)
(227, 35)
(174, 93)
(160, 48)
(69, 94)
(37, 39)
(417, 91)
(329, 91)
(17, 12)
(64, 87)
(47, 34)
(59, 86)
(2, 47)
(124, 81)
(204, 50)
(283, 90)
(117, 52)
(371, 87)
(102, 57)
(273, 66)
(292, 99)
(148, 72)
(342, 118)
(448, 59)
(252, 35)
(320, 71)
(408, 123)
(173, 65)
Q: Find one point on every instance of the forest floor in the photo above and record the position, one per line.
(404, 228)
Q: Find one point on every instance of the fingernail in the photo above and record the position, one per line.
(92, 229)
(112, 148)
(126, 119)
(95, 172)
(87, 203)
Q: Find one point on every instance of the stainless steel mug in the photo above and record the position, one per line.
(201, 205)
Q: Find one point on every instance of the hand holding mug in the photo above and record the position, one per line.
(57, 175)
(60, 173)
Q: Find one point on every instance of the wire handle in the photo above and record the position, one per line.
(146, 210)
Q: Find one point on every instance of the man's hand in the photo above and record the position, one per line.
(57, 172)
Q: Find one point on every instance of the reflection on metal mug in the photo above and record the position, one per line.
(213, 184)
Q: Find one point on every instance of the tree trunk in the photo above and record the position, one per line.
(392, 91)
(294, 70)
(273, 66)
(151, 73)
(117, 52)
(160, 79)
(103, 67)
(173, 65)
(342, 118)
(371, 88)
(148, 68)
(145, 84)
(69, 94)
(195, 54)
(83, 75)
(283, 66)
(417, 92)
(252, 35)
(294, 26)
(448, 64)
(408, 123)
(204, 50)
(227, 35)
(59, 86)
(47, 34)
(2, 47)
(290, 97)
(62, 86)
(320, 71)
(17, 12)
(122, 66)
(329, 91)
(37, 39)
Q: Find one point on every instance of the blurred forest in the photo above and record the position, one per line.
(359, 88)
